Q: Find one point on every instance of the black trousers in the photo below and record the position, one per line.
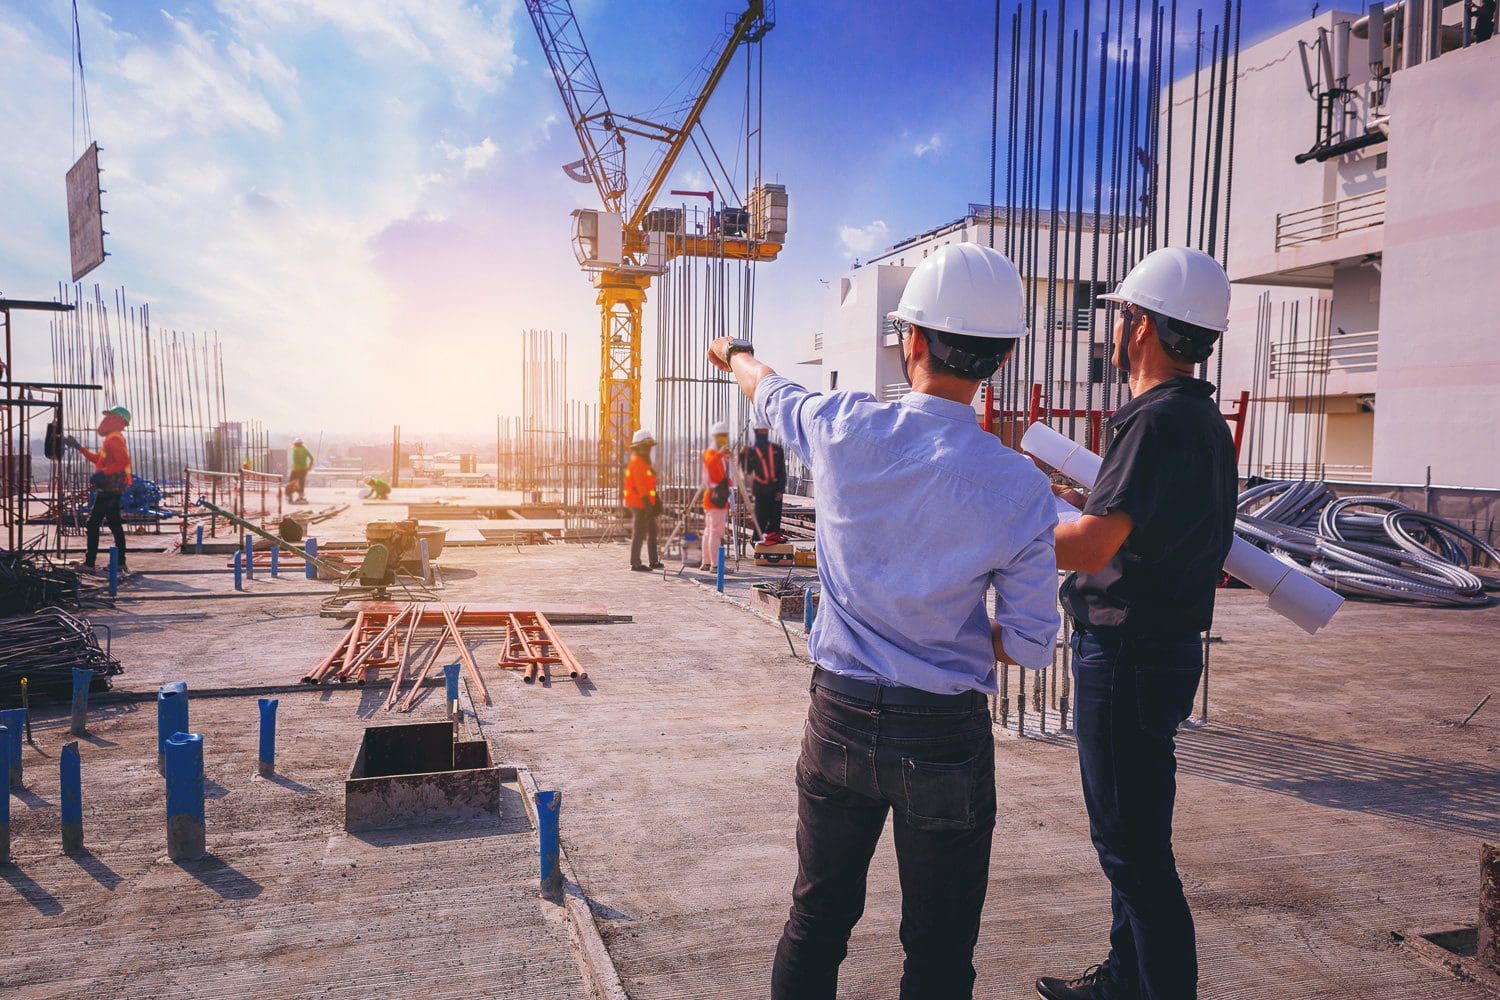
(1132, 694)
(643, 528)
(767, 508)
(934, 770)
(106, 510)
(296, 484)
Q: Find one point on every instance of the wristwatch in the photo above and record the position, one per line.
(735, 347)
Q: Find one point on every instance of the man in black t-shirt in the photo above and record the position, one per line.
(1148, 553)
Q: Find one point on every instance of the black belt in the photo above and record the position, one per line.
(881, 694)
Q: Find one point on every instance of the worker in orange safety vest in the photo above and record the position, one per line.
(110, 480)
(642, 501)
(716, 488)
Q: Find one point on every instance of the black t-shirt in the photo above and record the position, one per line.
(1171, 467)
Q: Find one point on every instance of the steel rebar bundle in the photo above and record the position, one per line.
(1369, 545)
(44, 647)
(29, 581)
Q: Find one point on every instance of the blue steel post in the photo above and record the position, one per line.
(239, 570)
(171, 716)
(720, 583)
(426, 567)
(450, 675)
(5, 798)
(310, 548)
(185, 834)
(198, 545)
(250, 555)
(267, 737)
(807, 609)
(548, 806)
(70, 780)
(275, 561)
(82, 678)
(14, 721)
(114, 570)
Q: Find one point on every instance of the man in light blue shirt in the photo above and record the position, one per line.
(920, 514)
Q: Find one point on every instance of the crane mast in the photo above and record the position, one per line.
(613, 244)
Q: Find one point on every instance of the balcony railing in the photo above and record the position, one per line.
(1330, 220)
(1340, 354)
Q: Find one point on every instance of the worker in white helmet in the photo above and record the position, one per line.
(764, 465)
(716, 488)
(1148, 553)
(296, 480)
(642, 501)
(920, 513)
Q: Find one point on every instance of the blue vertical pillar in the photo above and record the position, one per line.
(426, 567)
(14, 721)
(310, 549)
(239, 570)
(82, 678)
(250, 555)
(275, 561)
(807, 609)
(198, 545)
(114, 570)
(720, 580)
(185, 833)
(267, 737)
(548, 806)
(171, 716)
(5, 797)
(70, 779)
(450, 676)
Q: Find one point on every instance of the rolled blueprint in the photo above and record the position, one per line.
(1291, 594)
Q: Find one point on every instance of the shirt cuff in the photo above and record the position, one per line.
(1028, 652)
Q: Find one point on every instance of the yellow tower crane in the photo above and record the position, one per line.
(623, 246)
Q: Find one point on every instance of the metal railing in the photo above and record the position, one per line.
(1340, 354)
(1321, 471)
(1330, 220)
(893, 391)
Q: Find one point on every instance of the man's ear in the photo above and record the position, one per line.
(919, 347)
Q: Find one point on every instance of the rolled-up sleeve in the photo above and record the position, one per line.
(791, 411)
(1026, 588)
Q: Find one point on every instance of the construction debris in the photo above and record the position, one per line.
(43, 648)
(29, 581)
(532, 646)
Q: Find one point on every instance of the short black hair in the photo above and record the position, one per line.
(979, 351)
(1181, 341)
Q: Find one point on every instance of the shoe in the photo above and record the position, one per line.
(640, 569)
(1095, 984)
(657, 565)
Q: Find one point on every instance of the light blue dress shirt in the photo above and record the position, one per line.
(920, 512)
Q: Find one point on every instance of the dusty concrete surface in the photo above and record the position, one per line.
(1330, 801)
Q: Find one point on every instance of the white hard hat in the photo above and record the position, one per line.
(1180, 283)
(719, 427)
(967, 289)
(641, 437)
(296, 440)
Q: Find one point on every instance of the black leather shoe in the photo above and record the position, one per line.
(657, 565)
(1094, 984)
(640, 569)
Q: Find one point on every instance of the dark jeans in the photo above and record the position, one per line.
(1131, 695)
(767, 508)
(106, 510)
(643, 528)
(935, 770)
(296, 484)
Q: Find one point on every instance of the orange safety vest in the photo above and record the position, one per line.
(715, 469)
(640, 483)
(110, 460)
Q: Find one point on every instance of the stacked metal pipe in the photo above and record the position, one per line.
(1369, 545)
(44, 647)
(29, 581)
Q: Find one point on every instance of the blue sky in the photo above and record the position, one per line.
(370, 189)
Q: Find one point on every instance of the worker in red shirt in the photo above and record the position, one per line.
(716, 487)
(110, 480)
(642, 501)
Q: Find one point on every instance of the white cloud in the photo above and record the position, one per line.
(863, 239)
(473, 158)
(932, 145)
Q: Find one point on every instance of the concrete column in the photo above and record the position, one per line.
(82, 678)
(185, 832)
(70, 781)
(171, 716)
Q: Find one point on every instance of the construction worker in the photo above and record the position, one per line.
(717, 486)
(641, 500)
(379, 489)
(110, 480)
(296, 480)
(1148, 553)
(765, 466)
(922, 513)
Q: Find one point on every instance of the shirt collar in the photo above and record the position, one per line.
(938, 406)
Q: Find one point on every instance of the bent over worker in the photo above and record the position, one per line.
(1149, 551)
(920, 514)
(110, 480)
(641, 500)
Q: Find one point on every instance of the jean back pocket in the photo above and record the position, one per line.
(939, 796)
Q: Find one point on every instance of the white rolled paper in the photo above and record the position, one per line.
(1293, 595)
